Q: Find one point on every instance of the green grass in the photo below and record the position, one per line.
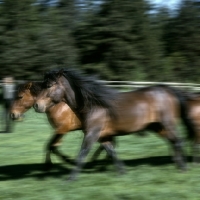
(150, 172)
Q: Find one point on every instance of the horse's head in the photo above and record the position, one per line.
(24, 100)
(52, 93)
(80, 92)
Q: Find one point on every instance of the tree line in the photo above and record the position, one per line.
(116, 39)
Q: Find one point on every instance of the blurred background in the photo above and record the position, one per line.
(138, 40)
(120, 40)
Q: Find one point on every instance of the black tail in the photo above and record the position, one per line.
(191, 131)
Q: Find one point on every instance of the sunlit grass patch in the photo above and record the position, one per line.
(150, 171)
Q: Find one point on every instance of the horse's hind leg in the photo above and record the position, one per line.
(175, 141)
(196, 147)
(196, 150)
(99, 151)
(108, 146)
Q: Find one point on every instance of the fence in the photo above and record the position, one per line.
(135, 85)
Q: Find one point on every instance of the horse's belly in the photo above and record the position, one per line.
(195, 115)
(130, 120)
(122, 128)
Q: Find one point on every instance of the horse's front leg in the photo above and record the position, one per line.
(177, 145)
(97, 153)
(195, 153)
(196, 145)
(52, 147)
(89, 139)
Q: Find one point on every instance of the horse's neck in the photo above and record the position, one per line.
(71, 95)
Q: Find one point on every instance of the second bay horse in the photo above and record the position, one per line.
(60, 116)
(105, 113)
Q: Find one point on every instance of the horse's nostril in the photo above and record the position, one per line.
(36, 106)
(39, 108)
(12, 115)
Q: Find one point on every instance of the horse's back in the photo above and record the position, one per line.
(137, 109)
(151, 100)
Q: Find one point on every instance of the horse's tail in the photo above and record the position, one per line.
(184, 111)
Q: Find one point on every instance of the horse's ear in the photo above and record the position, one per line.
(28, 85)
(60, 73)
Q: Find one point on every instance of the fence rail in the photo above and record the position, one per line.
(140, 84)
(135, 85)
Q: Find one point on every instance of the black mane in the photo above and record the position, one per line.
(91, 91)
(35, 88)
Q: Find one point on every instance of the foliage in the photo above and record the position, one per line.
(182, 41)
(33, 39)
(119, 40)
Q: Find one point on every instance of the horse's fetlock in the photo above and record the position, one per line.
(52, 148)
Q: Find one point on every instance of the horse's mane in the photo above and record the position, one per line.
(34, 86)
(91, 91)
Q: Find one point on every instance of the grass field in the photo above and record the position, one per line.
(151, 174)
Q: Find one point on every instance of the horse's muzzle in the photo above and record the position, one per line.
(39, 108)
(15, 116)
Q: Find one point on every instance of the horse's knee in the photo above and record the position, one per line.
(52, 148)
(54, 142)
(177, 143)
(92, 137)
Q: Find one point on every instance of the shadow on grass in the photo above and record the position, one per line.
(35, 170)
(3, 132)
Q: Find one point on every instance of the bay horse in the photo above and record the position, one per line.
(63, 119)
(105, 112)
(60, 116)
(192, 100)
(193, 103)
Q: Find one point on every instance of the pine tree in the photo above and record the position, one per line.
(183, 41)
(118, 41)
(18, 34)
(35, 37)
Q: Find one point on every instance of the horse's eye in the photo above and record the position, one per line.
(19, 97)
(50, 84)
(47, 85)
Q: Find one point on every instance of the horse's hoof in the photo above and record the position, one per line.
(183, 169)
(122, 172)
(121, 169)
(196, 161)
(71, 178)
(195, 164)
